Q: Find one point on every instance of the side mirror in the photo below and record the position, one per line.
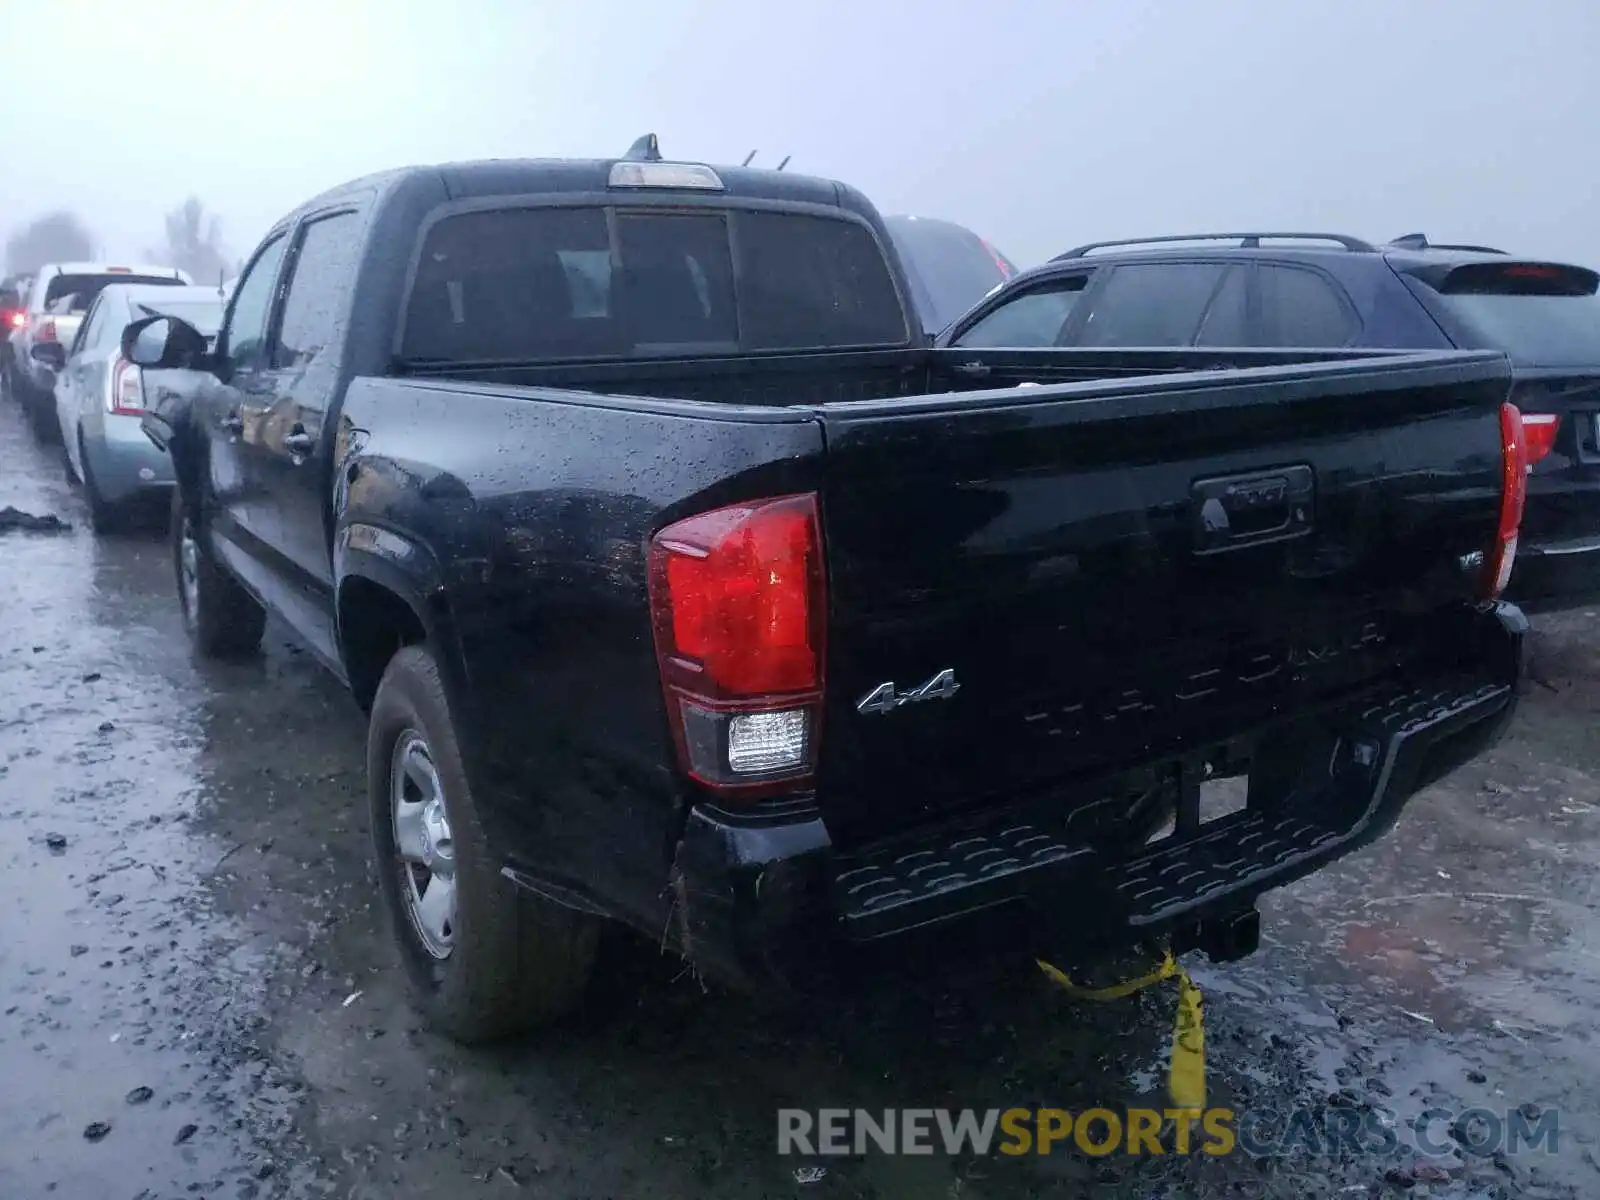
(51, 354)
(165, 344)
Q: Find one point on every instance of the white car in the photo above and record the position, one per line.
(101, 397)
(54, 308)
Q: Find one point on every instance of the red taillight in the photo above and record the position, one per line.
(738, 601)
(999, 259)
(14, 318)
(1513, 496)
(1539, 434)
(127, 388)
(46, 332)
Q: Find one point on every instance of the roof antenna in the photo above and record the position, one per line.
(747, 159)
(785, 161)
(646, 149)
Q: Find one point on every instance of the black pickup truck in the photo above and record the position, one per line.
(688, 587)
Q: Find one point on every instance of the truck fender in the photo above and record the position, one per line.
(388, 593)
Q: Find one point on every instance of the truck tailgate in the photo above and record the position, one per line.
(1031, 588)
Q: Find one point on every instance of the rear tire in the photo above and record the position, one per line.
(103, 517)
(504, 961)
(41, 410)
(222, 619)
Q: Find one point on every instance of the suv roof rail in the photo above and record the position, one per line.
(1419, 241)
(1245, 240)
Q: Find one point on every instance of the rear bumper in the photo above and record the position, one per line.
(759, 902)
(1556, 574)
(124, 461)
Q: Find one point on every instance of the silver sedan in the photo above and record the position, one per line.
(100, 398)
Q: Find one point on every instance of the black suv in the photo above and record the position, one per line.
(1306, 290)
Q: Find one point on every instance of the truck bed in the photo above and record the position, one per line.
(1055, 547)
(874, 375)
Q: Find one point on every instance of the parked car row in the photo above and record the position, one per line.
(62, 363)
(60, 353)
(689, 586)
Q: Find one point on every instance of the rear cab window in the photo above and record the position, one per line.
(544, 283)
(65, 294)
(1538, 314)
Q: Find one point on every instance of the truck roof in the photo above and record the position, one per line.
(106, 268)
(533, 176)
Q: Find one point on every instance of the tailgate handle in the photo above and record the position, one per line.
(1230, 512)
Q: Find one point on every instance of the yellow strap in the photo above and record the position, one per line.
(1186, 1072)
(1117, 990)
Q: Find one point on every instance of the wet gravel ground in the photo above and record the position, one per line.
(199, 995)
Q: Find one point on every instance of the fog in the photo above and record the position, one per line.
(1039, 125)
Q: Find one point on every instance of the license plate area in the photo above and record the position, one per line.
(1214, 800)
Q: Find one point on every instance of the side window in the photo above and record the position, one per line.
(1032, 320)
(1151, 304)
(1226, 322)
(1300, 308)
(89, 333)
(112, 318)
(246, 332)
(323, 268)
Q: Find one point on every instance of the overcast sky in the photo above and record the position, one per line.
(1040, 123)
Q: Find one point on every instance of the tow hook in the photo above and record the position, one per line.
(1231, 937)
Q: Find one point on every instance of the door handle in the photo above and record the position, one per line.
(233, 423)
(298, 442)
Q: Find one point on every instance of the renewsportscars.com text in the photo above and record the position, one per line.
(1436, 1132)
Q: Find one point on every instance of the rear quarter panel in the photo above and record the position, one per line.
(518, 517)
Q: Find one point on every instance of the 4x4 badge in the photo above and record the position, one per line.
(884, 698)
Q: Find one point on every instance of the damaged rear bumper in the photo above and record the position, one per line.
(771, 899)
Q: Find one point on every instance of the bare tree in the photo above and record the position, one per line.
(55, 237)
(194, 243)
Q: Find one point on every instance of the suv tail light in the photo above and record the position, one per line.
(1539, 434)
(739, 605)
(13, 318)
(1513, 495)
(127, 389)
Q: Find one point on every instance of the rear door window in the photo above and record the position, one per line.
(324, 267)
(1302, 309)
(531, 284)
(1032, 319)
(1150, 304)
(1227, 321)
